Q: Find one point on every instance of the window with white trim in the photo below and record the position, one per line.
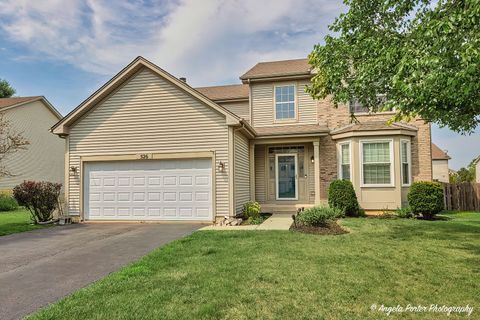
(356, 106)
(405, 155)
(377, 163)
(285, 102)
(344, 161)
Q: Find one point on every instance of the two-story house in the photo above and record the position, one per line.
(147, 146)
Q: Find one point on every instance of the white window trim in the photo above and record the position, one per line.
(295, 103)
(392, 164)
(340, 171)
(409, 161)
(295, 155)
(366, 113)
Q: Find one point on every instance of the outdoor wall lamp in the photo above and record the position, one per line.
(73, 171)
(221, 166)
(312, 159)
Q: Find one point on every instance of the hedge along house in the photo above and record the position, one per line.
(147, 146)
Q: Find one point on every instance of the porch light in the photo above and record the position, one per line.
(221, 166)
(312, 159)
(73, 171)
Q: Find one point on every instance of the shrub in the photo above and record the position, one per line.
(40, 198)
(251, 210)
(426, 198)
(405, 213)
(341, 195)
(318, 216)
(7, 203)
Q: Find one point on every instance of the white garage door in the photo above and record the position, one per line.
(149, 190)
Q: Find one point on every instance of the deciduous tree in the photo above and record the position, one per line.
(422, 55)
(6, 90)
(11, 142)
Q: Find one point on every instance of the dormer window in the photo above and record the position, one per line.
(285, 102)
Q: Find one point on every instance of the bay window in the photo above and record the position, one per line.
(377, 163)
(405, 155)
(344, 161)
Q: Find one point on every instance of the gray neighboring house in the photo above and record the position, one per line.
(440, 159)
(43, 159)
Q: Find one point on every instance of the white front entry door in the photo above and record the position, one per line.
(179, 189)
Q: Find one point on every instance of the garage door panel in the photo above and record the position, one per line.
(146, 190)
(123, 212)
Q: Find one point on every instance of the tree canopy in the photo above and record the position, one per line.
(6, 90)
(421, 56)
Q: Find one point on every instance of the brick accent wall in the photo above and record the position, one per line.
(338, 117)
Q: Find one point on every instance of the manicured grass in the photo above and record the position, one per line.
(286, 275)
(16, 221)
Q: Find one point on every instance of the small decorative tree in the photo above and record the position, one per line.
(39, 197)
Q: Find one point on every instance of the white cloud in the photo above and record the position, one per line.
(207, 41)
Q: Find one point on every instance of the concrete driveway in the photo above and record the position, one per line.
(42, 266)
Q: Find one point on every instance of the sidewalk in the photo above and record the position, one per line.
(278, 221)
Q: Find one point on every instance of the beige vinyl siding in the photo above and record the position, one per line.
(263, 109)
(150, 114)
(43, 160)
(440, 170)
(242, 171)
(241, 109)
(260, 177)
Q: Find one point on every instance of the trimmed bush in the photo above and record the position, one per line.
(405, 213)
(341, 195)
(426, 198)
(251, 210)
(318, 216)
(40, 198)
(7, 202)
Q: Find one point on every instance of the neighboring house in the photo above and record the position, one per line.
(43, 158)
(477, 169)
(147, 146)
(440, 164)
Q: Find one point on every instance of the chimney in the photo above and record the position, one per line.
(183, 79)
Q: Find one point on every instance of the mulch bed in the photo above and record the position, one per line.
(331, 229)
(260, 220)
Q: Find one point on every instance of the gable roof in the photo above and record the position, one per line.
(295, 67)
(7, 103)
(61, 128)
(439, 154)
(228, 92)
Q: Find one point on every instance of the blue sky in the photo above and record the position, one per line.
(65, 50)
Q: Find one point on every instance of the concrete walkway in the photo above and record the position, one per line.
(278, 221)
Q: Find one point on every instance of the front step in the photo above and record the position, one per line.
(283, 208)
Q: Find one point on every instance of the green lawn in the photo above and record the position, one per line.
(16, 221)
(286, 275)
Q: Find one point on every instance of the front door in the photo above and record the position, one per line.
(286, 176)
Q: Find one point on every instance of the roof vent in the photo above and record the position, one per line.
(183, 79)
